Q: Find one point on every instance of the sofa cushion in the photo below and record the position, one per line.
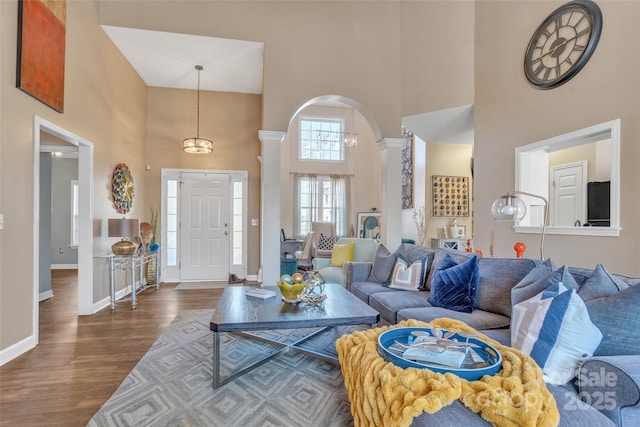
(407, 276)
(363, 290)
(539, 279)
(600, 283)
(617, 318)
(416, 252)
(334, 275)
(459, 256)
(455, 286)
(388, 303)
(497, 277)
(573, 413)
(477, 319)
(342, 253)
(554, 328)
(382, 267)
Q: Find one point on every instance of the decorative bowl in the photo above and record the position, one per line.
(291, 291)
(487, 359)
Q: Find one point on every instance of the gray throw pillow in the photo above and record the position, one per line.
(617, 318)
(538, 280)
(601, 284)
(383, 263)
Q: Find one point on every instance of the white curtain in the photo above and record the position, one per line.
(340, 202)
(304, 217)
(306, 211)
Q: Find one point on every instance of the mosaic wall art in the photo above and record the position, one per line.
(450, 195)
(407, 174)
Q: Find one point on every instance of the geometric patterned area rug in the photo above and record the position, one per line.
(187, 286)
(172, 383)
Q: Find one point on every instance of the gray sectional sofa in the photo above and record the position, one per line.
(606, 390)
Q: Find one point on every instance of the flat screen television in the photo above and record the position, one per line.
(599, 203)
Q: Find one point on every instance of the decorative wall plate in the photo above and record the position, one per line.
(122, 188)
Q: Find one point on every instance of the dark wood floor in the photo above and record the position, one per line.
(80, 361)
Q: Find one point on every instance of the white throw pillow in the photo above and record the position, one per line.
(554, 328)
(406, 276)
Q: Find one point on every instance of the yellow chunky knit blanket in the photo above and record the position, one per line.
(383, 394)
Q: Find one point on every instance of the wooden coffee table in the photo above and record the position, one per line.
(239, 313)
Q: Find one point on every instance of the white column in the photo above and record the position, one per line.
(270, 213)
(391, 181)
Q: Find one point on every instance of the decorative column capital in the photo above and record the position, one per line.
(386, 143)
(271, 135)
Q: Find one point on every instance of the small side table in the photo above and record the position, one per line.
(135, 264)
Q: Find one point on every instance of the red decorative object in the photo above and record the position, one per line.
(519, 248)
(468, 247)
(41, 50)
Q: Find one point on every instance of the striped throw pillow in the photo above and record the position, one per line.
(554, 328)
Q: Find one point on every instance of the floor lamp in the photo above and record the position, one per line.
(511, 208)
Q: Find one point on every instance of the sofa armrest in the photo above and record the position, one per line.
(319, 263)
(357, 272)
(611, 384)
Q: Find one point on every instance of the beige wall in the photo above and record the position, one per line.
(597, 169)
(231, 120)
(446, 159)
(105, 103)
(509, 113)
(377, 53)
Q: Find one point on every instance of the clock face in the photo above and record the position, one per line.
(563, 44)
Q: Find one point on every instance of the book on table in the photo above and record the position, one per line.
(260, 293)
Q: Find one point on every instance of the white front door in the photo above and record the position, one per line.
(204, 226)
(568, 189)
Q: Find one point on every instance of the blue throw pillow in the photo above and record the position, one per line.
(455, 286)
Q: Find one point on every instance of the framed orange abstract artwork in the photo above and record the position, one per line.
(41, 48)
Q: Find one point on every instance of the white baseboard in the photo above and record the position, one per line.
(17, 349)
(252, 278)
(106, 301)
(45, 295)
(64, 266)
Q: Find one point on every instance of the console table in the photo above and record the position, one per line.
(135, 265)
(459, 244)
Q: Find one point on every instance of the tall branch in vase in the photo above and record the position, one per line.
(421, 225)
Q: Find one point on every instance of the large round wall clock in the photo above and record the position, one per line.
(122, 188)
(563, 44)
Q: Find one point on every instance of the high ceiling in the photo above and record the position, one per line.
(168, 60)
(164, 59)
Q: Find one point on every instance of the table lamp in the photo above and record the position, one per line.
(511, 208)
(124, 228)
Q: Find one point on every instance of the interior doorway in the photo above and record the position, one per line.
(84, 149)
(568, 194)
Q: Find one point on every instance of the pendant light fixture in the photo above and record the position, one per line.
(198, 145)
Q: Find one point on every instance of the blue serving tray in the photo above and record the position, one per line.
(488, 357)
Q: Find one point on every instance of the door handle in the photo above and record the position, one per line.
(226, 233)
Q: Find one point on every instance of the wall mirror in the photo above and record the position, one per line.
(579, 174)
